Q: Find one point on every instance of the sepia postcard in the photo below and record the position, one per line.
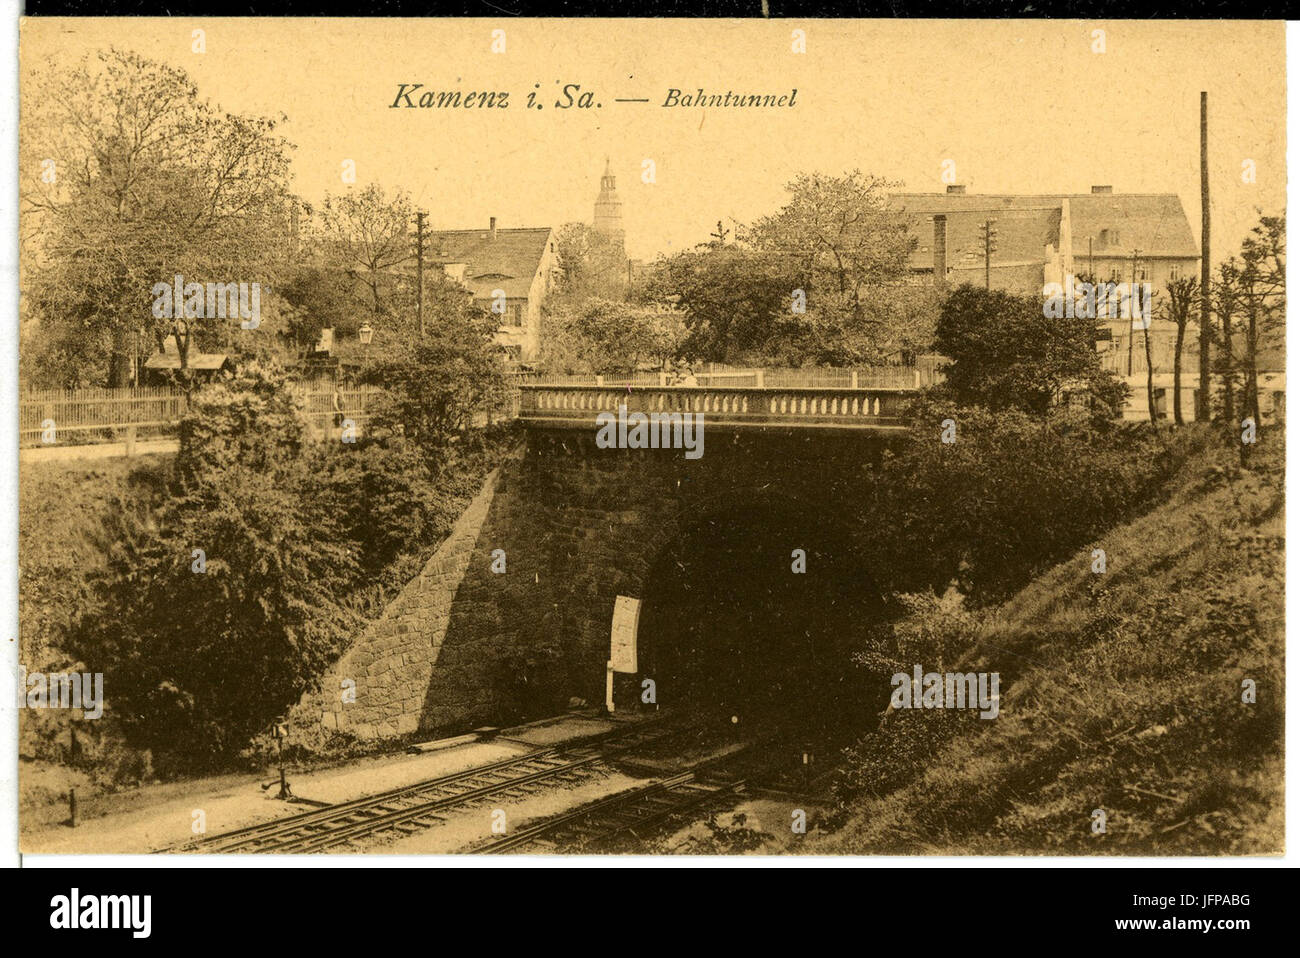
(675, 438)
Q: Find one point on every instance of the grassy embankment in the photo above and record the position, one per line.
(1121, 691)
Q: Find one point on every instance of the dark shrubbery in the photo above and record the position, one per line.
(217, 610)
(1126, 687)
(1007, 355)
(300, 542)
(1013, 494)
(1011, 497)
(436, 383)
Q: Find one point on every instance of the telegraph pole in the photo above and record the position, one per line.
(1132, 286)
(419, 269)
(990, 247)
(1203, 407)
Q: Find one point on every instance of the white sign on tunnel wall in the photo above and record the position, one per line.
(622, 634)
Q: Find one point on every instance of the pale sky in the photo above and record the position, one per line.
(1019, 106)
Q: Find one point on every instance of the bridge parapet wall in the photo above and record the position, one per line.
(576, 406)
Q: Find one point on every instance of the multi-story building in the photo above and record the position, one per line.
(508, 271)
(1042, 239)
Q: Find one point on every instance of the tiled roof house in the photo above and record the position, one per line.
(510, 268)
(1041, 237)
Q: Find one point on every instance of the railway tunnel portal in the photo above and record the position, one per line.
(746, 562)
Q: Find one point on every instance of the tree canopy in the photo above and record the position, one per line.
(147, 181)
(1005, 354)
(822, 281)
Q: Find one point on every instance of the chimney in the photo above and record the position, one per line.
(1102, 189)
(957, 188)
(940, 249)
(492, 226)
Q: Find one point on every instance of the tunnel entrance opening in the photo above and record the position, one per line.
(731, 632)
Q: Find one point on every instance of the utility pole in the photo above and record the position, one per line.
(1132, 287)
(1203, 406)
(990, 247)
(419, 269)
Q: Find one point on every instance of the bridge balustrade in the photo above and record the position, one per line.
(577, 406)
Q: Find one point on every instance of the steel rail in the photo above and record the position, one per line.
(625, 802)
(304, 829)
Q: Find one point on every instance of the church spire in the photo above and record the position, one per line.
(609, 208)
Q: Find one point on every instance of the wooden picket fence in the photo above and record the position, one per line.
(97, 414)
(355, 403)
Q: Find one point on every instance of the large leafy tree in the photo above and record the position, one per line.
(321, 296)
(820, 281)
(603, 336)
(367, 235)
(737, 302)
(843, 240)
(128, 179)
(1005, 354)
(439, 382)
(592, 265)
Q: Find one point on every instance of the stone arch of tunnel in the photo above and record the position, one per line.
(462, 645)
(729, 628)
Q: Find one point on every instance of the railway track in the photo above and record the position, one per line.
(637, 812)
(412, 808)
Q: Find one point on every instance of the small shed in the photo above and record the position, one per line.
(203, 366)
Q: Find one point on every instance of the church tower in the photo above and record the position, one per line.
(609, 208)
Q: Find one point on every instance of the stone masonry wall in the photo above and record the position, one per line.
(464, 646)
(581, 525)
(401, 656)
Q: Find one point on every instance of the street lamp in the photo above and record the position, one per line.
(366, 333)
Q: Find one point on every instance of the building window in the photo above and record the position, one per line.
(1175, 272)
(517, 318)
(1115, 275)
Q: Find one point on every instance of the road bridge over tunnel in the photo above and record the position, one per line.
(511, 618)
